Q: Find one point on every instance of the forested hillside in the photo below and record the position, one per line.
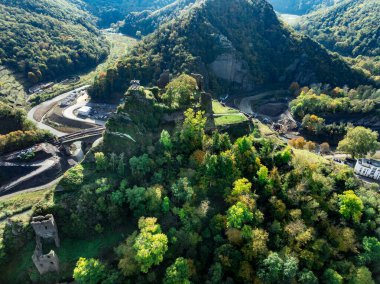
(350, 28)
(143, 23)
(47, 38)
(300, 7)
(111, 11)
(16, 131)
(236, 45)
(189, 203)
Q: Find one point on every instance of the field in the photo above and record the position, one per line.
(218, 108)
(229, 119)
(224, 115)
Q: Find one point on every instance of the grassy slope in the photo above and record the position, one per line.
(9, 206)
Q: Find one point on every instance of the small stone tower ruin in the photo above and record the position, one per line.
(45, 228)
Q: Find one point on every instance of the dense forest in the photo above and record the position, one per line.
(145, 22)
(325, 113)
(232, 49)
(202, 206)
(324, 100)
(350, 28)
(300, 7)
(44, 39)
(111, 11)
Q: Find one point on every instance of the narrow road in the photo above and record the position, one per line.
(40, 124)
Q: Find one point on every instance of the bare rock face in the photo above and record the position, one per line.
(229, 67)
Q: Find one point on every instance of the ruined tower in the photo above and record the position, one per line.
(45, 228)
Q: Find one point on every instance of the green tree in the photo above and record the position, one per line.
(166, 204)
(113, 161)
(359, 141)
(178, 272)
(307, 277)
(237, 215)
(371, 253)
(241, 187)
(144, 200)
(313, 123)
(182, 190)
(262, 174)
(141, 165)
(100, 161)
(89, 271)
(271, 270)
(332, 277)
(181, 91)
(276, 270)
(166, 140)
(362, 275)
(351, 206)
(150, 244)
(192, 130)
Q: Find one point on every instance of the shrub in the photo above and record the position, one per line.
(73, 178)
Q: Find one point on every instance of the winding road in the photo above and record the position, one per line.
(41, 166)
(40, 124)
(245, 104)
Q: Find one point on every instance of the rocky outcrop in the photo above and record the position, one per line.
(229, 67)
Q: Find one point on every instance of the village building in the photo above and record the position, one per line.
(84, 111)
(369, 168)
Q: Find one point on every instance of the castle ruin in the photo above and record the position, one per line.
(45, 228)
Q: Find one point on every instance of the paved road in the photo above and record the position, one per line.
(40, 124)
(43, 165)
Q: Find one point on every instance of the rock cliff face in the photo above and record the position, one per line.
(229, 67)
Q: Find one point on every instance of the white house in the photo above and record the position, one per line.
(84, 111)
(368, 168)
